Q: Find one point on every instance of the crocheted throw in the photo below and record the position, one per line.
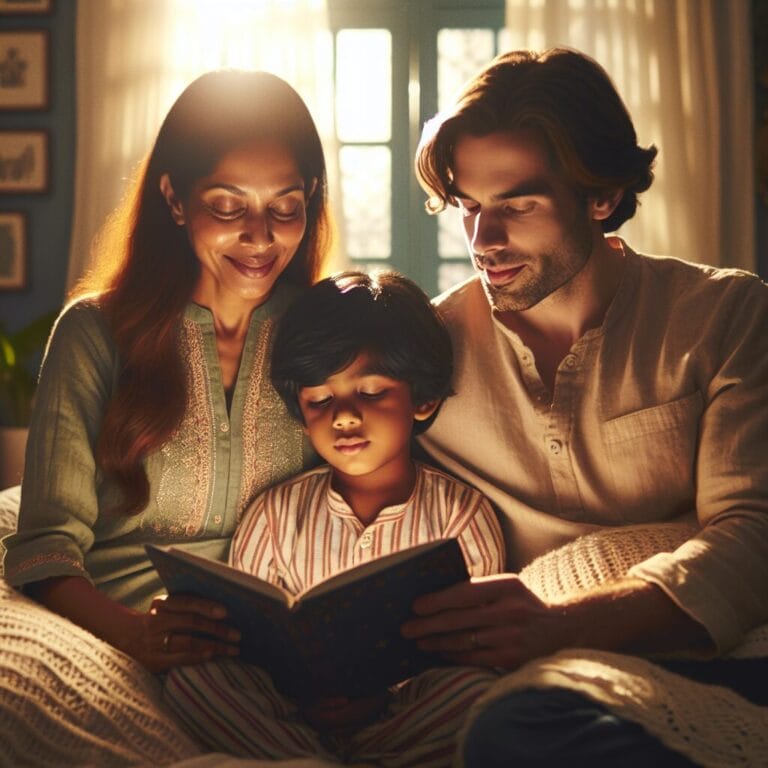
(711, 725)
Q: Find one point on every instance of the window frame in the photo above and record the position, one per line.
(414, 26)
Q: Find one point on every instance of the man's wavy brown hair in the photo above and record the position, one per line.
(561, 96)
(145, 269)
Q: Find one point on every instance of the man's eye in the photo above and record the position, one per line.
(521, 208)
(467, 208)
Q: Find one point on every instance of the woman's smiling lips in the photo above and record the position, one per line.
(252, 270)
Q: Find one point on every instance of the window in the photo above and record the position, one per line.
(396, 63)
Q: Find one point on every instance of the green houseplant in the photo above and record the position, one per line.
(20, 353)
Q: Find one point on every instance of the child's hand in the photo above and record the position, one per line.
(335, 714)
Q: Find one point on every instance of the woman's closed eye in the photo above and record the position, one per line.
(226, 208)
(287, 209)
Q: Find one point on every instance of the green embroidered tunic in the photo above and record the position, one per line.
(200, 481)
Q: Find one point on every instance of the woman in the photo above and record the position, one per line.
(154, 418)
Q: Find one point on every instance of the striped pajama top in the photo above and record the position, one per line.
(302, 531)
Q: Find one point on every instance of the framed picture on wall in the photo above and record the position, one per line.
(24, 163)
(24, 69)
(13, 250)
(25, 6)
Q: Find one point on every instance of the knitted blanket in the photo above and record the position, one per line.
(711, 725)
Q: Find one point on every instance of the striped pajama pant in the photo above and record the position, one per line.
(233, 707)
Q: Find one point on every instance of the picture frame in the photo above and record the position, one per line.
(24, 69)
(24, 162)
(13, 250)
(25, 6)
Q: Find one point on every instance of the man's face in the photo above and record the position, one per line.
(528, 232)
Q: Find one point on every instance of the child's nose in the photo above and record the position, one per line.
(346, 417)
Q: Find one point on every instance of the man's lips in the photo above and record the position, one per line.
(500, 276)
(253, 269)
(350, 445)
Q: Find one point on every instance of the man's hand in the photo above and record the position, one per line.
(497, 621)
(493, 621)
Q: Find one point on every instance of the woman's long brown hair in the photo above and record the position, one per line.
(145, 269)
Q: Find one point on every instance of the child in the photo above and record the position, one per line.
(363, 362)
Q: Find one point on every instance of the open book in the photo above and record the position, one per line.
(339, 638)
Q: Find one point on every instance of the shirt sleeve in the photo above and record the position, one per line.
(59, 499)
(252, 549)
(474, 523)
(719, 577)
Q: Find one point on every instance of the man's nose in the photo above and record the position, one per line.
(488, 232)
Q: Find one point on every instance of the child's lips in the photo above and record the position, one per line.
(350, 445)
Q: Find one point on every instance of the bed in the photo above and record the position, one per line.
(70, 699)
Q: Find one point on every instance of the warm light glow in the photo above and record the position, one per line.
(364, 85)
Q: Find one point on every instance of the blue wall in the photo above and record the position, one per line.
(49, 215)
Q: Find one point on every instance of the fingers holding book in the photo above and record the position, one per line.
(182, 630)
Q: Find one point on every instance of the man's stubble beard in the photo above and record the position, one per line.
(557, 267)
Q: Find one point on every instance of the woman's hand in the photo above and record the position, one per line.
(168, 635)
(181, 630)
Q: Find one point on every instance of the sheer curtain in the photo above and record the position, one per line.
(135, 57)
(683, 68)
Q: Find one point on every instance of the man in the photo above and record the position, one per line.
(596, 388)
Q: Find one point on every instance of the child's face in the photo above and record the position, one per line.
(360, 422)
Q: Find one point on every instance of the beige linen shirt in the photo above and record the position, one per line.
(660, 414)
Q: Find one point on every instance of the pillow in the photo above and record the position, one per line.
(9, 509)
(600, 557)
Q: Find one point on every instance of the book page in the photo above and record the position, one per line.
(358, 572)
(233, 575)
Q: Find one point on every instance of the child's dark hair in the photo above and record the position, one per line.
(383, 314)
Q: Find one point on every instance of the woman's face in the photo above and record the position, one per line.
(245, 222)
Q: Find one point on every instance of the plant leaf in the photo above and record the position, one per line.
(31, 339)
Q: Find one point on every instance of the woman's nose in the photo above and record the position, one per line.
(256, 229)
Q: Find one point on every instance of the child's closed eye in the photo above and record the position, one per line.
(373, 394)
(319, 403)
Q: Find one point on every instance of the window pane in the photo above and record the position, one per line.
(366, 179)
(450, 273)
(364, 85)
(460, 54)
(450, 234)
